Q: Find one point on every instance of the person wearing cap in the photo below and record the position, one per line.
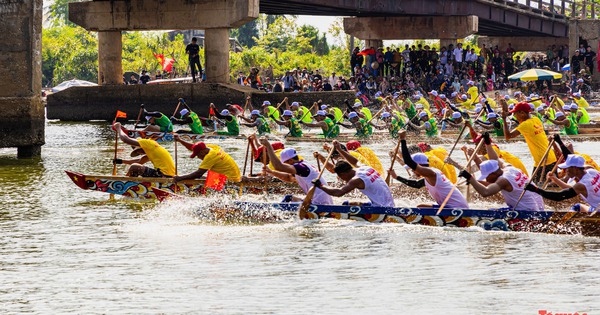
(157, 121)
(329, 128)
(473, 92)
(429, 125)
(295, 130)
(566, 122)
(393, 123)
(366, 179)
(493, 123)
(506, 179)
(233, 128)
(580, 101)
(532, 130)
(436, 159)
(583, 88)
(300, 112)
(338, 115)
(433, 179)
(257, 120)
(187, 116)
(437, 101)
(234, 109)
(214, 160)
(456, 120)
(465, 102)
(587, 184)
(580, 115)
(269, 110)
(363, 127)
(419, 99)
(290, 168)
(147, 151)
(362, 112)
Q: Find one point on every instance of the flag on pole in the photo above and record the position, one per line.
(165, 62)
(120, 114)
(215, 180)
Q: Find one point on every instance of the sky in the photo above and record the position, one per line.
(322, 23)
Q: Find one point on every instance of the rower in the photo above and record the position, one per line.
(429, 125)
(533, 130)
(437, 184)
(569, 126)
(587, 184)
(257, 120)
(234, 109)
(436, 158)
(437, 101)
(329, 128)
(148, 151)
(269, 110)
(465, 103)
(392, 123)
(580, 101)
(493, 123)
(291, 122)
(363, 112)
(233, 128)
(334, 113)
(187, 116)
(579, 114)
(473, 92)
(419, 99)
(214, 160)
(157, 121)
(290, 168)
(456, 121)
(300, 112)
(508, 180)
(366, 179)
(363, 127)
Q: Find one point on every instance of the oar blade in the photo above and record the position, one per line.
(303, 210)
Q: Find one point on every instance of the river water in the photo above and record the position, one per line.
(66, 250)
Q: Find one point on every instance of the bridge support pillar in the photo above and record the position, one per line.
(216, 53)
(413, 27)
(448, 42)
(22, 121)
(375, 43)
(523, 43)
(586, 32)
(110, 63)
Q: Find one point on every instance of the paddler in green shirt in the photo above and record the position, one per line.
(393, 124)
(494, 123)
(270, 111)
(301, 112)
(580, 114)
(329, 128)
(363, 126)
(291, 122)
(157, 121)
(257, 120)
(233, 128)
(429, 124)
(338, 115)
(362, 112)
(191, 119)
(569, 126)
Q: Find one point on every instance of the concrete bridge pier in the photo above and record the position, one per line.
(216, 53)
(22, 121)
(375, 43)
(110, 58)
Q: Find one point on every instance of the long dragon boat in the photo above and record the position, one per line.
(169, 136)
(501, 219)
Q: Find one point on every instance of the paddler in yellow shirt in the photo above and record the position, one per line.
(473, 92)
(148, 151)
(419, 99)
(214, 159)
(580, 101)
(465, 102)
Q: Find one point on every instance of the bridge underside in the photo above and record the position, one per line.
(494, 19)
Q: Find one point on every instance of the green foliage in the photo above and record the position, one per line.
(246, 33)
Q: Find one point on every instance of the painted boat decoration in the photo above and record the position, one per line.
(168, 136)
(501, 219)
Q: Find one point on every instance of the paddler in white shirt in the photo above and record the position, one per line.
(290, 168)
(506, 179)
(437, 184)
(366, 179)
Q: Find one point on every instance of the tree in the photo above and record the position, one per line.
(58, 12)
(246, 33)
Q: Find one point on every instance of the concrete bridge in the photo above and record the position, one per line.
(535, 23)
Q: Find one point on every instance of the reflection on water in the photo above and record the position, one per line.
(66, 250)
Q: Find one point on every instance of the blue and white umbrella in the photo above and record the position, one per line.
(566, 67)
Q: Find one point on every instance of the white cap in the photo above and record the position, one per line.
(540, 108)
(385, 115)
(352, 115)
(183, 111)
(506, 97)
(443, 96)
(224, 112)
(357, 104)
(492, 115)
(422, 114)
(419, 106)
(577, 94)
(487, 168)
(324, 107)
(148, 118)
(573, 160)
(566, 107)
(378, 93)
(416, 96)
(287, 112)
(517, 93)
(266, 103)
(420, 158)
(574, 106)
(532, 106)
(295, 104)
(464, 97)
(287, 154)
(478, 109)
(321, 113)
(579, 80)
(470, 83)
(456, 115)
(358, 93)
(434, 93)
(528, 99)
(511, 106)
(255, 112)
(482, 101)
(453, 95)
(559, 114)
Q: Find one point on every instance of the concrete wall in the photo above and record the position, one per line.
(22, 119)
(102, 102)
(587, 30)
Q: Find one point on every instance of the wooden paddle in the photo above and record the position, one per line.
(264, 162)
(176, 173)
(547, 181)
(309, 110)
(537, 168)
(468, 169)
(137, 121)
(455, 143)
(303, 210)
(114, 170)
(452, 191)
(388, 179)
(245, 164)
(176, 108)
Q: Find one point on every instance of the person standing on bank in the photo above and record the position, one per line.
(193, 50)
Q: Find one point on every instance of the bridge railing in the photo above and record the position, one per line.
(577, 9)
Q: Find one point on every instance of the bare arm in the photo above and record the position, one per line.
(277, 164)
(350, 186)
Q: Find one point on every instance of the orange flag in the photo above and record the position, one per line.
(121, 114)
(215, 180)
(165, 62)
